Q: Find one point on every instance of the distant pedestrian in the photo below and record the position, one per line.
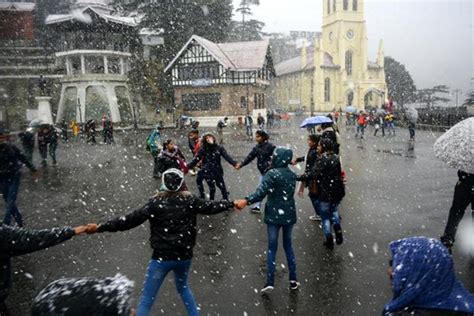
(330, 190)
(153, 145)
(278, 185)
(11, 160)
(248, 126)
(172, 215)
(47, 142)
(90, 132)
(16, 241)
(424, 282)
(361, 124)
(379, 124)
(260, 121)
(76, 129)
(221, 124)
(389, 119)
(63, 127)
(28, 142)
(108, 130)
(263, 151)
(411, 130)
(463, 196)
(210, 155)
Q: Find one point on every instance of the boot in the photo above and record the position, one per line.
(329, 243)
(338, 231)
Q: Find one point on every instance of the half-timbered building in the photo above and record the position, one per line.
(221, 79)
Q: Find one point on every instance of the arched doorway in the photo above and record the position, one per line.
(373, 98)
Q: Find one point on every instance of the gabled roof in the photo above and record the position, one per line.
(295, 64)
(17, 6)
(238, 56)
(76, 16)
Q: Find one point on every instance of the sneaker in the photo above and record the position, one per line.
(339, 237)
(329, 242)
(294, 285)
(256, 209)
(448, 243)
(267, 289)
(315, 218)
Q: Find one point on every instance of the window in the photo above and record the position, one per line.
(201, 102)
(334, 5)
(345, 5)
(354, 5)
(327, 90)
(349, 63)
(329, 6)
(243, 102)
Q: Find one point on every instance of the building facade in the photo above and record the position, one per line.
(221, 79)
(334, 71)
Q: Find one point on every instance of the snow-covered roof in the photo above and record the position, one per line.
(238, 56)
(82, 15)
(296, 64)
(17, 6)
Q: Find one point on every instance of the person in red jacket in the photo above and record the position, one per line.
(361, 124)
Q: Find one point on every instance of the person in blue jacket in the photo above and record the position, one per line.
(278, 185)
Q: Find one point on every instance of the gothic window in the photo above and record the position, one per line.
(345, 5)
(349, 63)
(329, 6)
(334, 5)
(327, 90)
(354, 5)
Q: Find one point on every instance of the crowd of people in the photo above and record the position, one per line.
(173, 211)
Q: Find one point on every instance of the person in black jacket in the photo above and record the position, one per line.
(17, 241)
(210, 154)
(311, 158)
(263, 151)
(10, 165)
(330, 186)
(28, 142)
(172, 216)
(463, 196)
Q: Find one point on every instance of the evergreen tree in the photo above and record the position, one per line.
(399, 82)
(246, 30)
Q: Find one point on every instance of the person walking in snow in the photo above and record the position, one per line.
(248, 126)
(263, 151)
(28, 142)
(221, 124)
(153, 145)
(172, 215)
(278, 185)
(210, 155)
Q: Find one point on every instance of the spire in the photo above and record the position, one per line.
(381, 54)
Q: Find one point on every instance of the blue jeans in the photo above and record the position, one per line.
(360, 130)
(9, 189)
(330, 216)
(316, 205)
(156, 274)
(273, 231)
(259, 204)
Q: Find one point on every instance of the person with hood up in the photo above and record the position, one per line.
(330, 190)
(18, 241)
(153, 145)
(172, 157)
(11, 160)
(424, 281)
(85, 296)
(263, 151)
(210, 155)
(278, 184)
(172, 215)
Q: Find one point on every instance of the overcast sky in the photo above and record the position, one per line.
(433, 38)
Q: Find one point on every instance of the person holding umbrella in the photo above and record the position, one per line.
(455, 148)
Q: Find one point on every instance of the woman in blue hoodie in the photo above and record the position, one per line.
(424, 281)
(280, 213)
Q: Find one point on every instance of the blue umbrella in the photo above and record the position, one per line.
(315, 120)
(351, 109)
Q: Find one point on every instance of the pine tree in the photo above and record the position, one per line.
(399, 82)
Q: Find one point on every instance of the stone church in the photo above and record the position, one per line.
(334, 71)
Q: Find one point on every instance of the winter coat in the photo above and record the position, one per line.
(248, 120)
(172, 218)
(423, 278)
(334, 136)
(260, 120)
(310, 159)
(27, 140)
(328, 174)
(278, 184)
(85, 296)
(170, 160)
(263, 152)
(11, 159)
(18, 241)
(154, 142)
(44, 136)
(211, 156)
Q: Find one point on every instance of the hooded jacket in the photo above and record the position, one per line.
(18, 241)
(263, 152)
(210, 155)
(172, 217)
(173, 159)
(424, 279)
(279, 185)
